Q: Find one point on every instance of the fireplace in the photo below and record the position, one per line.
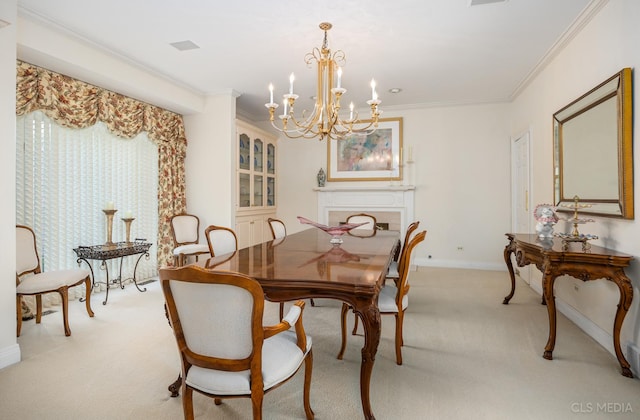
(392, 206)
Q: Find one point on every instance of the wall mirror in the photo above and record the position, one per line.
(593, 149)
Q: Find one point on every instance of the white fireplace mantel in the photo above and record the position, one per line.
(362, 199)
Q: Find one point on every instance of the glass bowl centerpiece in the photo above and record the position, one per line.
(335, 231)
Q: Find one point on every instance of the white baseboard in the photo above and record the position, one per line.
(9, 355)
(429, 262)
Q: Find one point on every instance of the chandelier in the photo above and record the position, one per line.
(325, 120)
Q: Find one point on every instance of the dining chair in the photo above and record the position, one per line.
(392, 300)
(185, 229)
(393, 266)
(221, 240)
(278, 228)
(363, 218)
(232, 354)
(37, 283)
(279, 231)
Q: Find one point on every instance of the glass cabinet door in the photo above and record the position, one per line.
(271, 191)
(271, 159)
(244, 149)
(244, 187)
(257, 190)
(257, 155)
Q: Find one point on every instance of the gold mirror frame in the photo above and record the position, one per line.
(593, 150)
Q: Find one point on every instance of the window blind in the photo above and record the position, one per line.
(66, 176)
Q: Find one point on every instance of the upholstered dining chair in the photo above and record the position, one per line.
(393, 266)
(392, 300)
(279, 231)
(185, 229)
(225, 350)
(221, 240)
(363, 218)
(32, 281)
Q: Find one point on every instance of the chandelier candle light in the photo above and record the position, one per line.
(324, 121)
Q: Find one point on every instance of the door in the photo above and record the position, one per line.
(521, 192)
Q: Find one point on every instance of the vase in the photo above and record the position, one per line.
(544, 230)
(322, 177)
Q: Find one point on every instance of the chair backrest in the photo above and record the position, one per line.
(278, 229)
(363, 218)
(185, 229)
(27, 260)
(221, 240)
(216, 317)
(404, 265)
(412, 227)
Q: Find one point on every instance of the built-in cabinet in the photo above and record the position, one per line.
(255, 184)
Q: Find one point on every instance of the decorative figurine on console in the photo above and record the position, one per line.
(545, 215)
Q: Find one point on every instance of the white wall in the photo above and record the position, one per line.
(9, 349)
(605, 46)
(210, 162)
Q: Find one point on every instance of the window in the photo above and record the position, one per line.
(66, 176)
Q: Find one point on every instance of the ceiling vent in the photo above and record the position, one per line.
(481, 2)
(184, 45)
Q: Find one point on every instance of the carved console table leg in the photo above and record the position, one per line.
(548, 280)
(508, 250)
(626, 296)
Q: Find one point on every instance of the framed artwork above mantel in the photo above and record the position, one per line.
(376, 156)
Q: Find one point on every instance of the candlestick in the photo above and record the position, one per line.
(127, 223)
(291, 79)
(339, 76)
(270, 93)
(109, 213)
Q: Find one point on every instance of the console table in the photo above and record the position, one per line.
(554, 259)
(110, 251)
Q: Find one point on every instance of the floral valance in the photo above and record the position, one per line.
(76, 104)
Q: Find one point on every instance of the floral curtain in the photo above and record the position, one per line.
(76, 104)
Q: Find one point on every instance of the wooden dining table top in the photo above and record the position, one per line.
(307, 265)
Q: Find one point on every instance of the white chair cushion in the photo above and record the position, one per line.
(393, 270)
(191, 249)
(50, 280)
(281, 358)
(387, 299)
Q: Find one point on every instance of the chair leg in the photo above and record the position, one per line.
(399, 341)
(19, 314)
(217, 401)
(281, 310)
(343, 329)
(355, 324)
(308, 369)
(38, 308)
(64, 294)
(187, 401)
(312, 302)
(87, 299)
(256, 403)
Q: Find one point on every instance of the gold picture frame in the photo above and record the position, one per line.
(367, 157)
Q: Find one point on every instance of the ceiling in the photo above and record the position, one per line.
(439, 52)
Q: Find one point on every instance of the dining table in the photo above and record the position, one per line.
(305, 265)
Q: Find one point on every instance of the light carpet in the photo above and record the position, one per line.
(466, 356)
